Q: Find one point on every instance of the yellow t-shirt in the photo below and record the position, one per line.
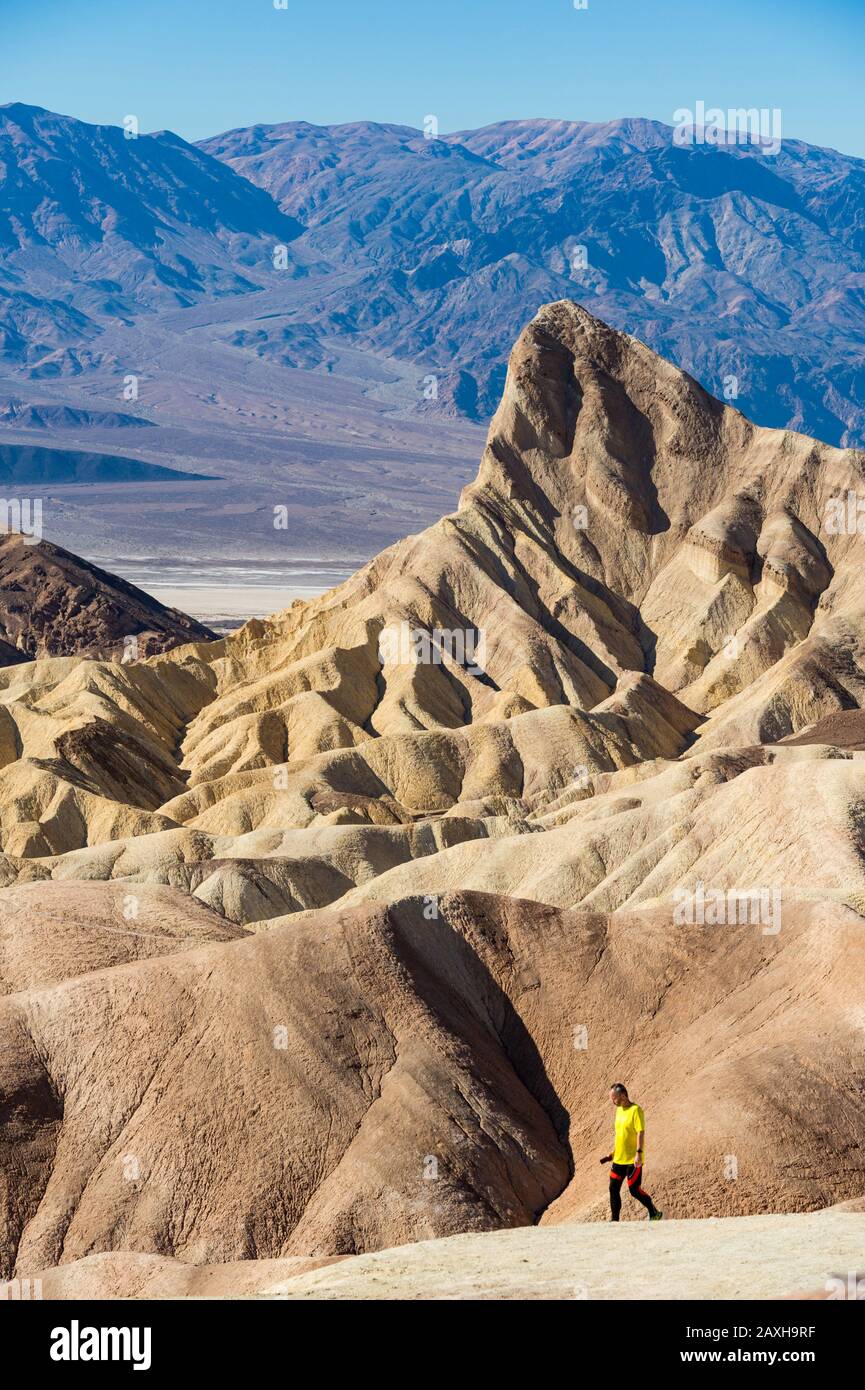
(630, 1121)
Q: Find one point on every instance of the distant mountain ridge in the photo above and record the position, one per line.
(38, 415)
(28, 465)
(732, 263)
(96, 228)
(746, 270)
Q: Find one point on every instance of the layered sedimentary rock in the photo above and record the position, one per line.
(565, 789)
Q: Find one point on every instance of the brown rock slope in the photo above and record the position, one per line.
(367, 1078)
(51, 932)
(130, 1275)
(54, 604)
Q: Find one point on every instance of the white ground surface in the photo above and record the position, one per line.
(748, 1257)
(209, 604)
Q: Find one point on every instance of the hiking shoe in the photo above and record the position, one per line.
(657, 1216)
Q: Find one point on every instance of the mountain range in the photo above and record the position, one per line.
(743, 268)
(725, 260)
(329, 936)
(95, 228)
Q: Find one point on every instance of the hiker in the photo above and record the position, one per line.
(628, 1153)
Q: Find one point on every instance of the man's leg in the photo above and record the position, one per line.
(616, 1180)
(636, 1190)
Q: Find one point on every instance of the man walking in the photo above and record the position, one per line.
(627, 1155)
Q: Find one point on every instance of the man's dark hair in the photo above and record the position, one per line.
(619, 1089)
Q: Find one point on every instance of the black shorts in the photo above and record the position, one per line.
(618, 1171)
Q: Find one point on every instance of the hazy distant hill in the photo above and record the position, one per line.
(25, 465)
(38, 415)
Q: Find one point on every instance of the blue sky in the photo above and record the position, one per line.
(203, 66)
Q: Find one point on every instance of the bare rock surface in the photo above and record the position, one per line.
(366, 1078)
(125, 1274)
(54, 604)
(750, 1257)
(330, 936)
(636, 569)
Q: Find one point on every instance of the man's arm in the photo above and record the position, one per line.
(641, 1139)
